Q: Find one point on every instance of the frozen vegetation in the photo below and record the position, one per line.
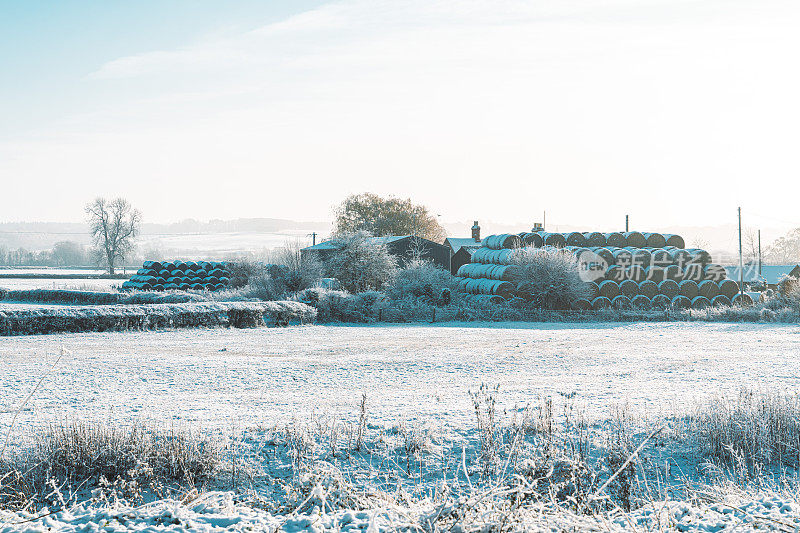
(690, 427)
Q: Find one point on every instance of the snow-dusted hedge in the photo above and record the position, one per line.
(64, 296)
(157, 316)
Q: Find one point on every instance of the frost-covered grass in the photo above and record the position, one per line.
(69, 460)
(542, 466)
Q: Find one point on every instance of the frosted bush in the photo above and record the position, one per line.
(361, 264)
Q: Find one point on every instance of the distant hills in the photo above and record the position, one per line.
(43, 235)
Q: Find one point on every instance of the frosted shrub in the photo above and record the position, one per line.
(294, 270)
(422, 279)
(361, 264)
(550, 276)
(341, 306)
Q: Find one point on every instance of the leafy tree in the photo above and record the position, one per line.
(113, 225)
(386, 216)
(361, 264)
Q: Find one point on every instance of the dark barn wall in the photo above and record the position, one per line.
(462, 257)
(404, 250)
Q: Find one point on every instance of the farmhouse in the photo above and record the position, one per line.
(403, 247)
(770, 274)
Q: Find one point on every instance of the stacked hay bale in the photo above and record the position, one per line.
(631, 270)
(180, 275)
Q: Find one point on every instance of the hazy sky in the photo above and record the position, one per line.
(673, 111)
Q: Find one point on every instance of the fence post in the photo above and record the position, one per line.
(380, 314)
(434, 316)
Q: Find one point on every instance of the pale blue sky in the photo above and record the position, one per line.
(674, 111)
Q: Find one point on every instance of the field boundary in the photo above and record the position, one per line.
(152, 317)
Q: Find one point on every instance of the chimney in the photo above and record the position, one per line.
(476, 232)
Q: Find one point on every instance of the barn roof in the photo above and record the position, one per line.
(769, 273)
(456, 243)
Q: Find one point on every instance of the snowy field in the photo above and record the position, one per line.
(231, 379)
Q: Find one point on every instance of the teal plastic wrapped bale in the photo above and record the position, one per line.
(681, 302)
(595, 238)
(615, 239)
(689, 288)
(743, 299)
(659, 301)
(708, 289)
(197, 287)
(728, 288)
(661, 258)
(502, 241)
(601, 302)
(636, 273)
(609, 289)
(700, 302)
(576, 239)
(714, 272)
(581, 304)
(721, 301)
(184, 286)
(675, 240)
(668, 288)
(648, 288)
(615, 273)
(219, 287)
(654, 273)
(655, 240)
(635, 239)
(621, 302)
(533, 238)
(623, 258)
(171, 287)
(640, 301)
(152, 265)
(629, 288)
(642, 257)
(554, 239)
(158, 287)
(674, 273)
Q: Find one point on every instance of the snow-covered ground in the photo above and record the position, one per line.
(223, 378)
(239, 381)
(60, 283)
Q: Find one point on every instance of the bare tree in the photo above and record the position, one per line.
(750, 246)
(113, 224)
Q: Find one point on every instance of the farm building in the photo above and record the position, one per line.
(770, 274)
(403, 247)
(461, 248)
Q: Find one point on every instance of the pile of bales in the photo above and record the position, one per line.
(180, 275)
(629, 270)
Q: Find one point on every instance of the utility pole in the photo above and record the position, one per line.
(741, 263)
(626, 223)
(759, 253)
(313, 238)
(544, 221)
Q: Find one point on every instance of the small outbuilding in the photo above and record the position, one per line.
(461, 248)
(770, 274)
